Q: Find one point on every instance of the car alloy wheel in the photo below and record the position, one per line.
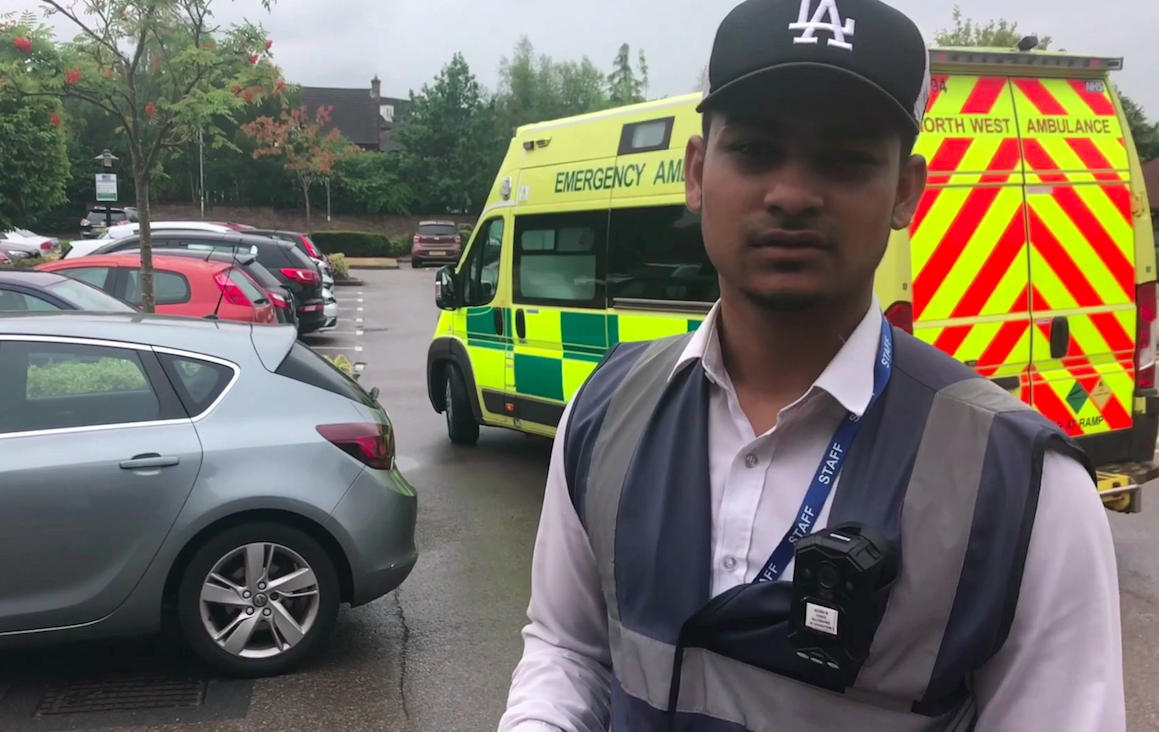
(259, 600)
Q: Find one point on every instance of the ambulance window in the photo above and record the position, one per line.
(482, 268)
(658, 254)
(646, 136)
(558, 259)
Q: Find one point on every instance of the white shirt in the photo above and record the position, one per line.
(1060, 670)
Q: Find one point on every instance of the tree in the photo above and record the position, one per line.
(34, 163)
(309, 153)
(534, 88)
(161, 68)
(626, 85)
(375, 182)
(450, 150)
(999, 33)
(1145, 132)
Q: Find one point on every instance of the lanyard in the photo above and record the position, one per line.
(830, 466)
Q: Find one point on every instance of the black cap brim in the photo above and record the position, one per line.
(763, 79)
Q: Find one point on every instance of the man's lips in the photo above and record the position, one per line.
(789, 240)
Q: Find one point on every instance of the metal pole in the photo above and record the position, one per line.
(327, 198)
(201, 158)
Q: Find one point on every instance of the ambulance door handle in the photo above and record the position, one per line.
(520, 324)
(498, 313)
(1059, 338)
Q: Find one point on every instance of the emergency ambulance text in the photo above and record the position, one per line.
(600, 179)
(1068, 126)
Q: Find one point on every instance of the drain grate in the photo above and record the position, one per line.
(124, 694)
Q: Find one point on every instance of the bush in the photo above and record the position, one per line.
(340, 266)
(352, 243)
(341, 363)
(84, 377)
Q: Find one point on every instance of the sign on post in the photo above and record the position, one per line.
(106, 186)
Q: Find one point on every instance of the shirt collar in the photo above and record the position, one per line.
(848, 378)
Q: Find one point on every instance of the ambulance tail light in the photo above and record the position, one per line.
(901, 315)
(1145, 335)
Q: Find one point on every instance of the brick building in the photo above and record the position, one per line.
(363, 116)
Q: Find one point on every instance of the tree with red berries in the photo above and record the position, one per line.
(310, 153)
(164, 70)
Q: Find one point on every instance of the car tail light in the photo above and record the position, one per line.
(279, 301)
(46, 246)
(901, 315)
(311, 308)
(85, 222)
(369, 443)
(305, 276)
(1145, 336)
(458, 239)
(310, 248)
(416, 239)
(4, 258)
(231, 292)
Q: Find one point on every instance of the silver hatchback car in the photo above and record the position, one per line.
(221, 472)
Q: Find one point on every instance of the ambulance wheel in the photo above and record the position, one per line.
(461, 425)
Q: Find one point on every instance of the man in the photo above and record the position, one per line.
(680, 467)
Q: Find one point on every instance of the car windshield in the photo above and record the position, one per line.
(437, 230)
(87, 297)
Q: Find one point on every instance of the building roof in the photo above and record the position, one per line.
(353, 112)
(1151, 181)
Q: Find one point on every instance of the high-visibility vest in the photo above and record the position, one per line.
(946, 465)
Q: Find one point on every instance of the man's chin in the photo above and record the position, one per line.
(786, 300)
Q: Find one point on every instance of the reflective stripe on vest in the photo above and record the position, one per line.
(947, 464)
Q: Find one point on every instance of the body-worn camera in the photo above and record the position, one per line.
(837, 594)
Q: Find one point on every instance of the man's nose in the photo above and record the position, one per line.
(792, 190)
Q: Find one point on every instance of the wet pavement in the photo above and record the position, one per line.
(436, 655)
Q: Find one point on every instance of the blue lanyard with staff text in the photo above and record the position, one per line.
(830, 466)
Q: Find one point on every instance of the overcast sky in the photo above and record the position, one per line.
(345, 42)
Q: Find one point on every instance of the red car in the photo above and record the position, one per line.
(182, 286)
(435, 241)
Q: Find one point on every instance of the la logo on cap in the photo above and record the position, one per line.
(839, 29)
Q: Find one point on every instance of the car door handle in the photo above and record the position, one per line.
(150, 460)
(520, 324)
(1059, 338)
(498, 315)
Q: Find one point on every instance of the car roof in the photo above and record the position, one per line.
(31, 277)
(184, 265)
(245, 259)
(442, 223)
(221, 338)
(229, 237)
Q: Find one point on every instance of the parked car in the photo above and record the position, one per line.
(330, 308)
(279, 295)
(25, 290)
(100, 218)
(181, 286)
(293, 269)
(306, 245)
(121, 231)
(435, 241)
(20, 250)
(216, 471)
(46, 244)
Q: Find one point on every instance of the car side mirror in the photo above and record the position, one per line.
(445, 296)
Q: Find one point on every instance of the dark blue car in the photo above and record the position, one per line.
(31, 291)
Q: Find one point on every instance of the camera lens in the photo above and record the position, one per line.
(827, 576)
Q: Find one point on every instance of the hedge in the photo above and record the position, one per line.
(361, 244)
(66, 378)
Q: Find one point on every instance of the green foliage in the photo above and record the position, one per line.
(84, 377)
(449, 146)
(1145, 132)
(534, 88)
(999, 33)
(340, 266)
(34, 162)
(341, 363)
(352, 243)
(375, 183)
(626, 85)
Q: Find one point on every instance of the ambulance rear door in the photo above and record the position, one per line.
(1082, 253)
(971, 286)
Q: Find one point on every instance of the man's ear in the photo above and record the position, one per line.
(694, 173)
(910, 187)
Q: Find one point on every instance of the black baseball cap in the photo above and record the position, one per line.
(762, 42)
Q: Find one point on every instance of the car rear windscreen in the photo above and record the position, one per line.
(437, 230)
(98, 216)
(304, 365)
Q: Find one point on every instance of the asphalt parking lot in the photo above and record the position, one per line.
(436, 655)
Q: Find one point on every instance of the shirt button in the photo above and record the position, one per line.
(750, 460)
(729, 563)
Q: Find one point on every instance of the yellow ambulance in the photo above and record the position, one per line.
(1031, 257)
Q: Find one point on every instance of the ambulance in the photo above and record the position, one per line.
(1031, 257)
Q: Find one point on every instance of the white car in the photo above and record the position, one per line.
(330, 308)
(120, 231)
(46, 244)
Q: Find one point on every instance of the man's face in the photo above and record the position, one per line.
(798, 195)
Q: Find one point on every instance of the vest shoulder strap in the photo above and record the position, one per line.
(629, 381)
